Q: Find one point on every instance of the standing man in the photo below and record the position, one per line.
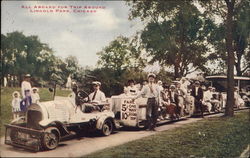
(152, 92)
(26, 92)
(97, 96)
(197, 93)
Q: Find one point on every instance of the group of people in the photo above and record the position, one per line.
(172, 101)
(29, 95)
(163, 101)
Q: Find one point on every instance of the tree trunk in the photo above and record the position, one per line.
(230, 71)
(176, 71)
(238, 66)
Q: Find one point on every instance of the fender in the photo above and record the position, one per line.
(61, 127)
(101, 120)
(18, 120)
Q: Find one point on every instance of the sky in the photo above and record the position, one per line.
(78, 34)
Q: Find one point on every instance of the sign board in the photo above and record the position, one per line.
(129, 112)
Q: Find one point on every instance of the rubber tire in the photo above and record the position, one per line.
(52, 134)
(107, 127)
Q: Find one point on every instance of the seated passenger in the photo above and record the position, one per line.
(207, 99)
(174, 101)
(165, 102)
(97, 96)
(131, 89)
(239, 102)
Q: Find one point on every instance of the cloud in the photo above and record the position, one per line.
(77, 34)
(103, 20)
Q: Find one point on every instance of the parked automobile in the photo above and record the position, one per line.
(46, 123)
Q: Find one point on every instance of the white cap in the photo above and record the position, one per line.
(96, 83)
(172, 86)
(35, 88)
(151, 75)
(27, 75)
(15, 92)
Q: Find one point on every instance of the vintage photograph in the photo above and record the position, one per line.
(128, 78)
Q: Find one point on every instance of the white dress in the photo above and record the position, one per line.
(16, 104)
(35, 97)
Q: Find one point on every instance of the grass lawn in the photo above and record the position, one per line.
(6, 98)
(211, 137)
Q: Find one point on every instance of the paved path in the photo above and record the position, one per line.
(87, 145)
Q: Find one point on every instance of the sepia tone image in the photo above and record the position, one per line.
(147, 78)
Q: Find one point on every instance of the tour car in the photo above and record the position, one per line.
(133, 113)
(45, 123)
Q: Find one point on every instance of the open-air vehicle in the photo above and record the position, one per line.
(45, 123)
(133, 114)
(220, 83)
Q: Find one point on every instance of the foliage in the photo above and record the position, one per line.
(22, 54)
(201, 139)
(241, 27)
(120, 55)
(174, 35)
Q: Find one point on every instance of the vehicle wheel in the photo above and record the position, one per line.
(51, 138)
(107, 128)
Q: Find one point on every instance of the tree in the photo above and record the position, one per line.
(241, 27)
(226, 9)
(120, 55)
(22, 54)
(174, 35)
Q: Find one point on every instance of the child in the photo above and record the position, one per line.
(35, 96)
(16, 104)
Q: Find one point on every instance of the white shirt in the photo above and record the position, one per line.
(99, 97)
(208, 95)
(35, 97)
(25, 86)
(147, 92)
(196, 91)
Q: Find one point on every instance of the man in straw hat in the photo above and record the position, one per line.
(97, 96)
(152, 92)
(26, 91)
(197, 93)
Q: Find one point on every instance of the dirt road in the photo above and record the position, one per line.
(85, 145)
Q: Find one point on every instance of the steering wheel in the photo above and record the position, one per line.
(81, 97)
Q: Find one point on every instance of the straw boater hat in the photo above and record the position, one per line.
(172, 86)
(15, 92)
(27, 75)
(159, 82)
(197, 82)
(96, 83)
(151, 75)
(35, 88)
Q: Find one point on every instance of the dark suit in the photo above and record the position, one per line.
(198, 96)
(174, 100)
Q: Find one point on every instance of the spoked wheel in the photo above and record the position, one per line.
(107, 128)
(51, 138)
